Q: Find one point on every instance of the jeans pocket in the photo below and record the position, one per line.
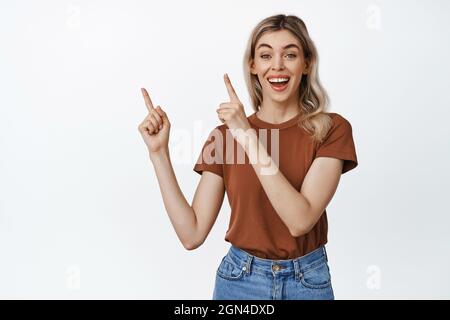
(229, 270)
(316, 277)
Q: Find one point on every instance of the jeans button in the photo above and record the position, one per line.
(275, 267)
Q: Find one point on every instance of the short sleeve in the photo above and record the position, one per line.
(339, 143)
(210, 158)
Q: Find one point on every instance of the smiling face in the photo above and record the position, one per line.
(279, 55)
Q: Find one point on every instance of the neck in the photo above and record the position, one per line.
(277, 112)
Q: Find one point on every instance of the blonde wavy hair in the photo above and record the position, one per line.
(313, 100)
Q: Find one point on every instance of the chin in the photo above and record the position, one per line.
(280, 97)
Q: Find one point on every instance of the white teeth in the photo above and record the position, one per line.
(278, 79)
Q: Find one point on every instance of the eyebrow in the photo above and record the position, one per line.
(291, 45)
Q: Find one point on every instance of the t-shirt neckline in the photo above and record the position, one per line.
(268, 125)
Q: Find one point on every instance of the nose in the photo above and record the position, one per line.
(278, 63)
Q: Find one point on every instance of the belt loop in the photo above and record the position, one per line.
(297, 269)
(325, 253)
(248, 263)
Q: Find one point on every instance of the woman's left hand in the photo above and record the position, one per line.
(232, 113)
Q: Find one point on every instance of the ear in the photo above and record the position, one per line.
(307, 66)
(252, 68)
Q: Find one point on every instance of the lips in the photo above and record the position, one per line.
(279, 86)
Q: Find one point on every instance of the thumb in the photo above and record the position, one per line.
(162, 114)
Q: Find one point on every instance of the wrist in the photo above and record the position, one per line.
(248, 140)
(162, 154)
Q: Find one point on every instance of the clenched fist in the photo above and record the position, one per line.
(232, 113)
(155, 128)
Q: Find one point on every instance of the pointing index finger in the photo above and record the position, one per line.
(231, 92)
(148, 101)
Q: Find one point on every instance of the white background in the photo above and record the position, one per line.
(81, 214)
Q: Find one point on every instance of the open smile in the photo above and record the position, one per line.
(279, 83)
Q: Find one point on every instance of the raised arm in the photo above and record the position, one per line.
(191, 223)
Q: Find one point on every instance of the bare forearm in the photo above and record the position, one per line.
(290, 204)
(181, 214)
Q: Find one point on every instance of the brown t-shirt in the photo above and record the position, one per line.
(254, 225)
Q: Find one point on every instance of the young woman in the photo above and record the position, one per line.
(278, 224)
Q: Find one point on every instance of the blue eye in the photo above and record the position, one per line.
(289, 54)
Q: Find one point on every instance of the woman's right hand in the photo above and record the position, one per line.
(155, 128)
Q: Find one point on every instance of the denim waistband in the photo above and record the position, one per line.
(299, 265)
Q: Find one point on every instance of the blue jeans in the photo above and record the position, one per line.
(242, 276)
